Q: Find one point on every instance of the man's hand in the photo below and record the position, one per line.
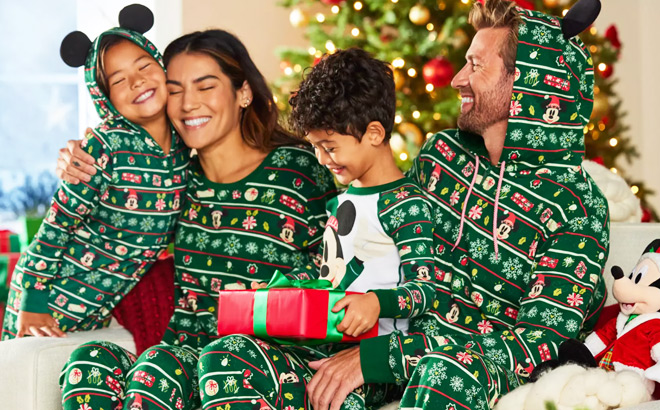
(361, 313)
(335, 379)
(37, 324)
(258, 285)
(74, 164)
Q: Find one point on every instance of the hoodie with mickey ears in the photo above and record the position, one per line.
(560, 231)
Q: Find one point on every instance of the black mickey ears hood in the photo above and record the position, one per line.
(77, 50)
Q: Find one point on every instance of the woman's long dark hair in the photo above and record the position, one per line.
(260, 127)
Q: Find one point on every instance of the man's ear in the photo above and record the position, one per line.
(244, 95)
(375, 133)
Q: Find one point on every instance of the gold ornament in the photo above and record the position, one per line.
(551, 3)
(399, 80)
(419, 15)
(412, 133)
(298, 18)
(601, 106)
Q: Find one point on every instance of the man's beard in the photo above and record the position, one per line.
(492, 107)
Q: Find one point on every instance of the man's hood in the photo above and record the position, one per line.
(552, 97)
(101, 101)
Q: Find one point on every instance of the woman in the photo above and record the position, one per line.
(255, 203)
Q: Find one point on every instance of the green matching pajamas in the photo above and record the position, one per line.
(228, 236)
(100, 237)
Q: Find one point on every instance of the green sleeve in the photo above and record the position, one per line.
(405, 215)
(70, 206)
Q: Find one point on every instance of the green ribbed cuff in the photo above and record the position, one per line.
(374, 360)
(389, 307)
(35, 301)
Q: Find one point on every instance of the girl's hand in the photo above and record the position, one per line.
(361, 313)
(37, 324)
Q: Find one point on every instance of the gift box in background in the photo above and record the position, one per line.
(287, 311)
(9, 242)
(7, 263)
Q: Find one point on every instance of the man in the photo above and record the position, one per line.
(507, 295)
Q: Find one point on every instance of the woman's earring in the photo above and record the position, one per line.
(247, 102)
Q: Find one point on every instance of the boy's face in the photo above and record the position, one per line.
(136, 83)
(346, 156)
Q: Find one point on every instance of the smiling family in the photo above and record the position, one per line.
(474, 267)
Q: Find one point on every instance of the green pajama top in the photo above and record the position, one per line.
(519, 245)
(230, 235)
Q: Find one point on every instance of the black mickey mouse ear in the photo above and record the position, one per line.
(136, 17)
(579, 17)
(74, 48)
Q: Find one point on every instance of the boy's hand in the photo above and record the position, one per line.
(74, 164)
(361, 313)
(37, 324)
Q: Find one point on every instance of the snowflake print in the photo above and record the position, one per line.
(430, 329)
(106, 283)
(413, 210)
(138, 145)
(93, 278)
(552, 317)
(567, 139)
(233, 245)
(489, 342)
(571, 325)
(234, 343)
(68, 270)
(270, 254)
(397, 218)
(436, 374)
(202, 240)
(495, 259)
(133, 222)
(426, 210)
(498, 356)
(464, 357)
(566, 177)
(114, 141)
(402, 302)
(147, 224)
(216, 243)
(303, 161)
(456, 383)
(282, 158)
(249, 222)
(185, 322)
(522, 29)
(454, 197)
(537, 137)
(568, 261)
(541, 34)
(402, 195)
(575, 299)
(516, 135)
(596, 225)
(251, 248)
(50, 235)
(532, 312)
(515, 108)
(471, 393)
(569, 53)
(512, 268)
(351, 403)
(478, 248)
(117, 219)
(475, 212)
(578, 224)
(190, 238)
(161, 224)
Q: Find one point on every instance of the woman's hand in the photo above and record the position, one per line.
(361, 313)
(37, 324)
(74, 164)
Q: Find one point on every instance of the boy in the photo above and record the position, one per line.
(100, 237)
(378, 238)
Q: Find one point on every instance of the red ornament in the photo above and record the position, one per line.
(605, 120)
(438, 71)
(332, 2)
(607, 72)
(646, 215)
(612, 35)
(598, 160)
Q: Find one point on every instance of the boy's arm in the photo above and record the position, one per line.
(406, 217)
(546, 317)
(71, 204)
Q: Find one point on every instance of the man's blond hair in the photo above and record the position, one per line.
(499, 14)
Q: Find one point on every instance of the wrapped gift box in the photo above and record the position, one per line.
(9, 242)
(288, 312)
(7, 263)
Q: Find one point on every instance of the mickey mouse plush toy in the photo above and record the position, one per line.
(631, 341)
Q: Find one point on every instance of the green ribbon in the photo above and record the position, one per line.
(279, 281)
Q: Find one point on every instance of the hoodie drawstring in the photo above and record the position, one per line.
(465, 202)
(497, 203)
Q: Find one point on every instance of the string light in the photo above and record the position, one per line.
(330, 46)
(275, 99)
(634, 189)
(398, 62)
(593, 48)
(311, 51)
(355, 32)
(586, 129)
(297, 68)
(591, 127)
(403, 156)
(602, 66)
(465, 1)
(416, 114)
(593, 31)
(596, 89)
(357, 5)
(395, 1)
(320, 17)
(563, 13)
(429, 135)
(430, 27)
(334, 9)
(437, 116)
(412, 72)
(288, 71)
(398, 119)
(318, 54)
(429, 87)
(601, 126)
(613, 142)
(616, 171)
(442, 5)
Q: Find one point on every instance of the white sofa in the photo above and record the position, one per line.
(29, 368)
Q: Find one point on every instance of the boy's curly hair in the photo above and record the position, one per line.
(343, 93)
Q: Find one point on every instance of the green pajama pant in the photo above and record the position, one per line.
(102, 375)
(453, 377)
(243, 372)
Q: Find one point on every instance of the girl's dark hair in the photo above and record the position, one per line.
(260, 127)
(107, 42)
(343, 93)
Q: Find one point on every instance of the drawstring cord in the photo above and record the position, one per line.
(465, 202)
(497, 203)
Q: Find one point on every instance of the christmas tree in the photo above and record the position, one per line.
(425, 42)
